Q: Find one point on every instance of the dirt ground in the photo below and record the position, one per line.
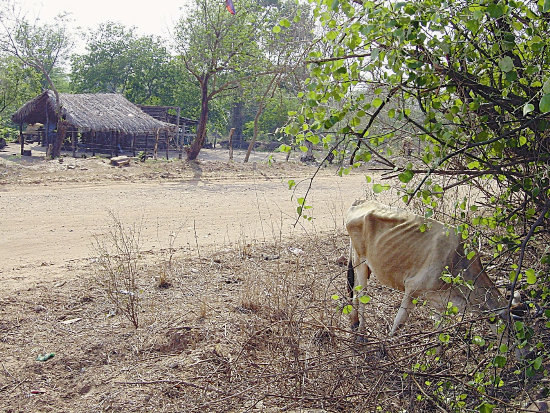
(238, 304)
(51, 214)
(52, 211)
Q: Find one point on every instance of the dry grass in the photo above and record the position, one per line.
(251, 328)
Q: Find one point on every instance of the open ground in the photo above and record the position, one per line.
(239, 303)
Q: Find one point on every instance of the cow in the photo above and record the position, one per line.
(410, 253)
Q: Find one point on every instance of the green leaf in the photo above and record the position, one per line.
(335, 297)
(499, 361)
(284, 23)
(544, 104)
(522, 140)
(485, 408)
(531, 276)
(334, 5)
(377, 102)
(276, 29)
(347, 309)
(546, 6)
(377, 188)
(478, 341)
(537, 363)
(364, 299)
(495, 10)
(506, 64)
(405, 176)
(314, 139)
(546, 85)
(528, 108)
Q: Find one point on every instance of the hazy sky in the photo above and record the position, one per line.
(150, 17)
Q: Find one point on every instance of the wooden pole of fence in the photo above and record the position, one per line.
(167, 142)
(21, 138)
(178, 136)
(73, 142)
(156, 145)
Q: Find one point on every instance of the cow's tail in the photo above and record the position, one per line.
(351, 271)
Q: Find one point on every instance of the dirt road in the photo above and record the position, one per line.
(45, 228)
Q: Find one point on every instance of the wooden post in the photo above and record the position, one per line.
(156, 145)
(231, 132)
(73, 141)
(94, 143)
(183, 136)
(167, 143)
(179, 144)
(46, 130)
(134, 145)
(117, 142)
(21, 138)
(112, 140)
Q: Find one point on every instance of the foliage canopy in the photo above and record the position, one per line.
(468, 81)
(469, 84)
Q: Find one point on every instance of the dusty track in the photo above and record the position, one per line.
(53, 222)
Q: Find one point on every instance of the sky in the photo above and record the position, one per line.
(150, 17)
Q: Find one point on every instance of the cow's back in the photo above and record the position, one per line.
(400, 247)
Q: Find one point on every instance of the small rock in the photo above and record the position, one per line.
(39, 308)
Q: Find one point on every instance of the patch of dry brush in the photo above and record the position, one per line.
(255, 328)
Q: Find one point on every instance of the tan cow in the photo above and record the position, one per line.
(410, 253)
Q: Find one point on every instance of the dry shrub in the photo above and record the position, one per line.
(285, 345)
(251, 332)
(165, 263)
(118, 266)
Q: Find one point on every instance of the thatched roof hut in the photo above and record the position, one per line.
(91, 112)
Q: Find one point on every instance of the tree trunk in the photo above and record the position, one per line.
(196, 146)
(231, 132)
(271, 87)
(62, 126)
(255, 136)
(237, 118)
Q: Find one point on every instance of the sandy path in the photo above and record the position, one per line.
(47, 228)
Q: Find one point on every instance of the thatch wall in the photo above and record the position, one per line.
(98, 112)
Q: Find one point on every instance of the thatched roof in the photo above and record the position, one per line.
(98, 112)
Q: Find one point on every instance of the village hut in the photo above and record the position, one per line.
(102, 122)
(172, 114)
